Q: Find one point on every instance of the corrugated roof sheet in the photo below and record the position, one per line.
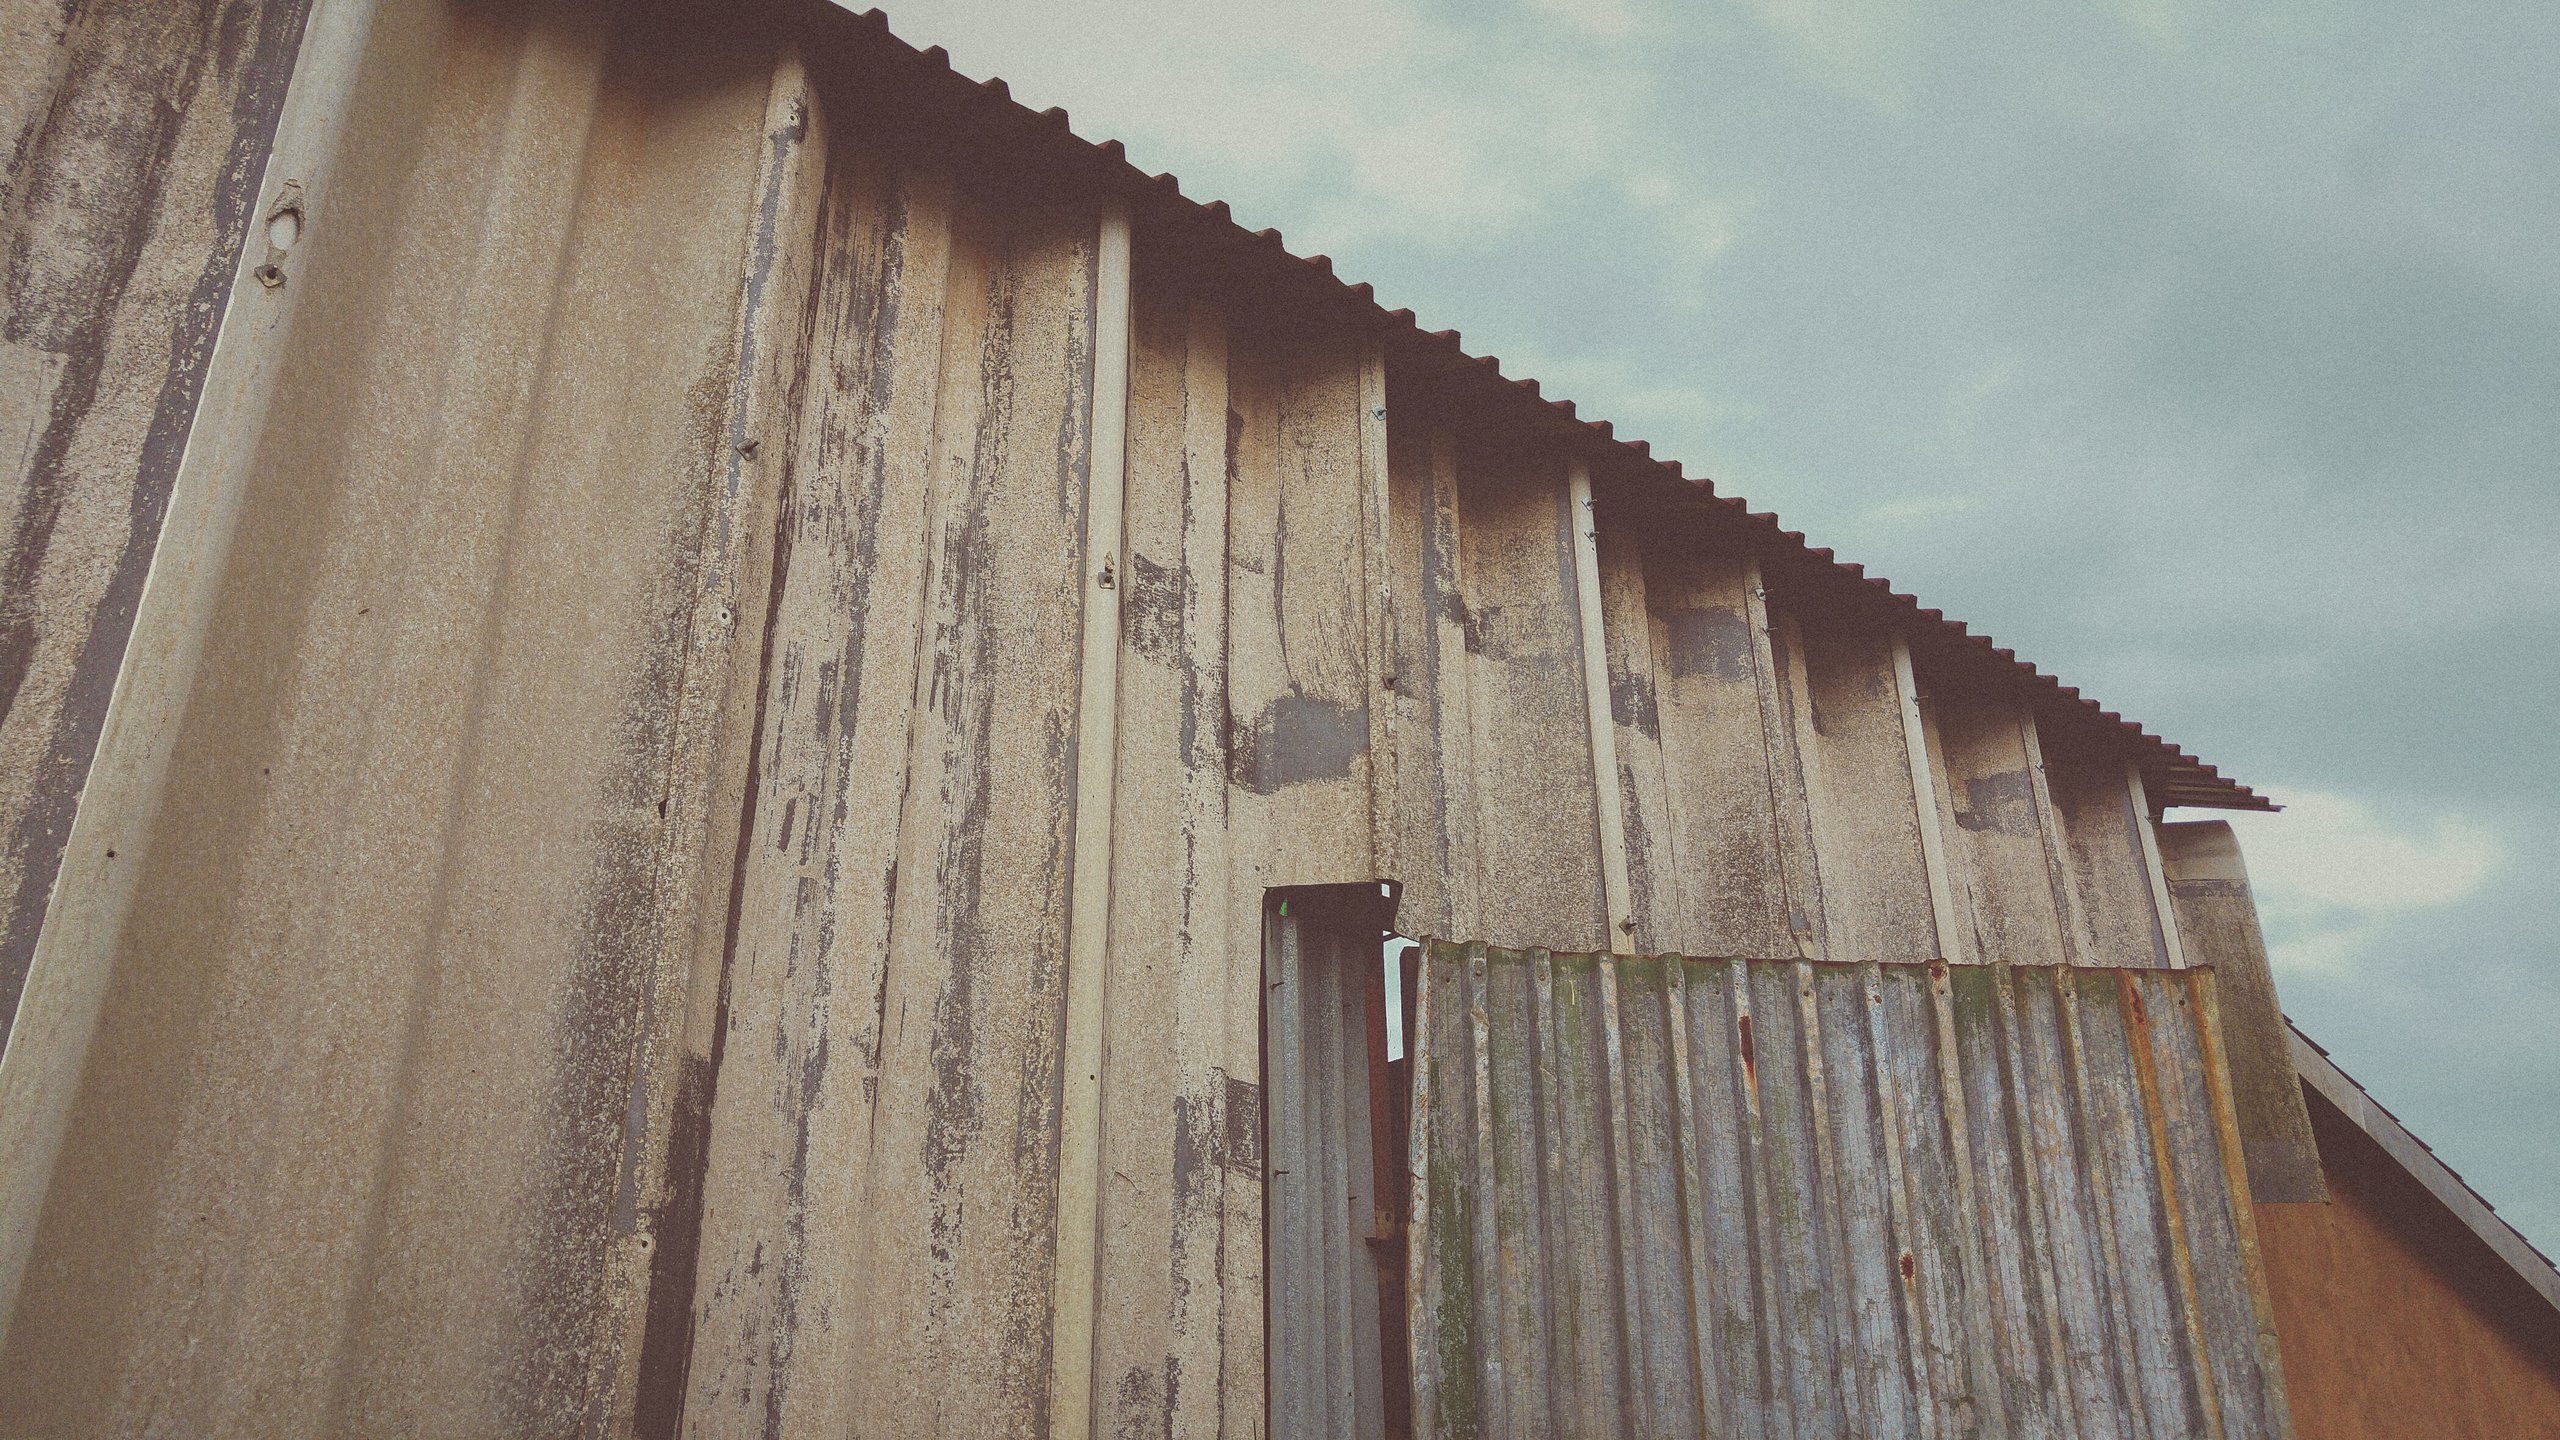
(2173, 776)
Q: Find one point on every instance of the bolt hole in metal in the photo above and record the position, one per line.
(284, 231)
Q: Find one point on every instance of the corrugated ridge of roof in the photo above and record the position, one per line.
(2182, 779)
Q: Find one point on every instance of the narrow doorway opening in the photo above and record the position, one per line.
(1339, 991)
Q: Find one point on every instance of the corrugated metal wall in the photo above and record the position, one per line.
(1772, 808)
(135, 134)
(1326, 1365)
(566, 929)
(1767, 1198)
(334, 1101)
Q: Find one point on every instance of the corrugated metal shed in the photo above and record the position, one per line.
(125, 261)
(1715, 1198)
(582, 914)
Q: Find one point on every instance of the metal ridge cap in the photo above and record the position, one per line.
(2423, 1165)
(2183, 779)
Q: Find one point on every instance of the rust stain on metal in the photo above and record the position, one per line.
(1851, 1167)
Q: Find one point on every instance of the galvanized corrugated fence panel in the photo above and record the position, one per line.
(1671, 1197)
(1325, 1373)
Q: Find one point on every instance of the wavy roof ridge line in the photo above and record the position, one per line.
(2175, 776)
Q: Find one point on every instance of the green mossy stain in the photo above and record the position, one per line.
(1452, 1221)
(1975, 992)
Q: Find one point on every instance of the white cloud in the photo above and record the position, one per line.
(2331, 875)
(1915, 511)
(1693, 226)
(1860, 48)
(1616, 19)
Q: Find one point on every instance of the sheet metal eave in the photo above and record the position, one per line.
(2174, 777)
(2414, 1155)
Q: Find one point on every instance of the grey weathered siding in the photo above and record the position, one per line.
(1325, 1370)
(136, 135)
(1767, 1198)
(567, 927)
(348, 1018)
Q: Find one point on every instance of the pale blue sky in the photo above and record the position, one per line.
(2209, 355)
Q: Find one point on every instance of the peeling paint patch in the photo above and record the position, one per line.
(1242, 1151)
(1631, 704)
(1300, 738)
(1151, 610)
(2003, 803)
(1710, 642)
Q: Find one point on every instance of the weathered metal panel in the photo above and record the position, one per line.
(947, 927)
(2117, 919)
(1493, 740)
(1866, 1199)
(797, 1042)
(1325, 1368)
(1839, 684)
(350, 1148)
(586, 849)
(1527, 738)
(1176, 979)
(1297, 641)
(1443, 891)
(136, 135)
(2005, 857)
(2209, 892)
(1702, 834)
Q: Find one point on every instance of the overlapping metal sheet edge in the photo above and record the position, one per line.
(2175, 777)
(1671, 1196)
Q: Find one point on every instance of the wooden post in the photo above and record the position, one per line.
(1089, 905)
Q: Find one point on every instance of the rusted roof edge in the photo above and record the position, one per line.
(2412, 1154)
(2174, 777)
